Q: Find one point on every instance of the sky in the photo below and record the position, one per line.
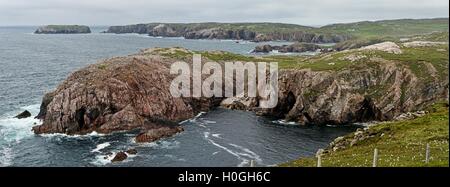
(303, 12)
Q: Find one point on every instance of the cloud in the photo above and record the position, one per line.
(306, 12)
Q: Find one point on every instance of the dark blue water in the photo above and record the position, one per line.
(34, 64)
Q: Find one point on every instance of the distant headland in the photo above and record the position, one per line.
(63, 29)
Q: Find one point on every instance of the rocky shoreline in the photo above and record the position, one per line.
(132, 92)
(228, 31)
(293, 48)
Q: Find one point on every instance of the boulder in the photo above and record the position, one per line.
(262, 49)
(24, 114)
(120, 156)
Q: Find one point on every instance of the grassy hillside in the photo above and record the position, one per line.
(390, 28)
(400, 143)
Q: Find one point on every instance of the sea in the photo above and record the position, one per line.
(33, 64)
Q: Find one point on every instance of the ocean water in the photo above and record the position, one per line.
(32, 65)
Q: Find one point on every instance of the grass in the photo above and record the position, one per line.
(400, 144)
(414, 59)
(390, 28)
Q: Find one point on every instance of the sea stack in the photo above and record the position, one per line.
(63, 29)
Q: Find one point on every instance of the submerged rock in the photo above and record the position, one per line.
(24, 114)
(63, 29)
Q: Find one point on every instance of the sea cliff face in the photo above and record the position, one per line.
(218, 31)
(360, 85)
(63, 29)
(117, 94)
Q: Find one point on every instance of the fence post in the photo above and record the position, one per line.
(319, 160)
(427, 154)
(375, 157)
(252, 163)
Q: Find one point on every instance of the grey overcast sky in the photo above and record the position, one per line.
(304, 12)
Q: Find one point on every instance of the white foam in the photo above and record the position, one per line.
(252, 155)
(194, 119)
(13, 129)
(101, 146)
(243, 156)
(209, 121)
(92, 134)
(284, 122)
(169, 144)
(6, 156)
(216, 135)
(101, 160)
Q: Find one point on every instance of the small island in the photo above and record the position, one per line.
(63, 29)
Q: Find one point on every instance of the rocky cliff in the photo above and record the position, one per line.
(337, 88)
(225, 31)
(118, 94)
(377, 82)
(63, 29)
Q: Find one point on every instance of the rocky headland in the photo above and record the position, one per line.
(378, 82)
(63, 29)
(257, 32)
(360, 33)
(118, 94)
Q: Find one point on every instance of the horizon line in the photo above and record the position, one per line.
(237, 22)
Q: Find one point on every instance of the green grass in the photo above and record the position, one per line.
(414, 59)
(390, 28)
(221, 56)
(400, 144)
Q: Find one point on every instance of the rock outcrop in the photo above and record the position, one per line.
(120, 156)
(157, 133)
(63, 29)
(121, 93)
(24, 114)
(293, 48)
(389, 47)
(310, 97)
